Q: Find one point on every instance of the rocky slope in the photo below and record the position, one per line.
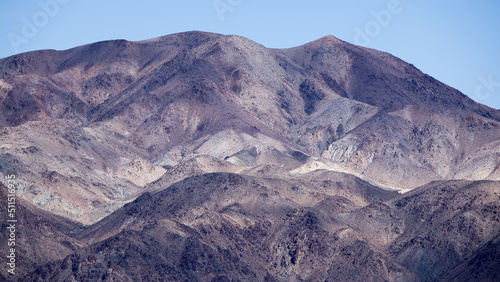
(222, 226)
(40, 237)
(205, 157)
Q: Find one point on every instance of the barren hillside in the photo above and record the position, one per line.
(201, 156)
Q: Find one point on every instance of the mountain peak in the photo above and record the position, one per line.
(329, 39)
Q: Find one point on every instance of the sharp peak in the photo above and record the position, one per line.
(328, 39)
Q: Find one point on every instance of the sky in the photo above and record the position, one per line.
(457, 42)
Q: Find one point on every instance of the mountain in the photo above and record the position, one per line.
(222, 226)
(39, 237)
(108, 118)
(201, 156)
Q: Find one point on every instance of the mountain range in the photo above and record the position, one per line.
(201, 156)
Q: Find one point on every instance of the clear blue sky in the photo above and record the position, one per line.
(457, 42)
